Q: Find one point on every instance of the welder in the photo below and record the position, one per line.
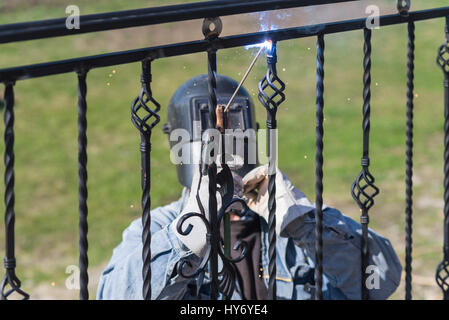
(188, 112)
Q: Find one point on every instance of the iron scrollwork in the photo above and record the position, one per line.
(226, 281)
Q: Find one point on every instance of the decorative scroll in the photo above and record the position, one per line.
(442, 274)
(363, 189)
(146, 104)
(271, 95)
(82, 185)
(319, 168)
(409, 161)
(10, 279)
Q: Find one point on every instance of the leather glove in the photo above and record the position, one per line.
(291, 203)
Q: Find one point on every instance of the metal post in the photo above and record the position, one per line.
(363, 189)
(82, 185)
(409, 161)
(271, 102)
(145, 125)
(319, 168)
(442, 274)
(10, 260)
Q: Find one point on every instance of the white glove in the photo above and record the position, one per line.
(196, 239)
(291, 203)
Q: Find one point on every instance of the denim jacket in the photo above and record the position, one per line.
(122, 278)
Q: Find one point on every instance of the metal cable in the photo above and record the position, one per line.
(82, 185)
(319, 168)
(409, 161)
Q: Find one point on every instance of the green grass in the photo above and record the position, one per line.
(46, 136)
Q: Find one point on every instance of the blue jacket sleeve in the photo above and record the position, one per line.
(122, 278)
(342, 254)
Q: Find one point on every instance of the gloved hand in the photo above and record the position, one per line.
(196, 239)
(291, 203)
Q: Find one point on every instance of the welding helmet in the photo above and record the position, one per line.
(188, 111)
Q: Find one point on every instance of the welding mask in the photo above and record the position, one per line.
(188, 118)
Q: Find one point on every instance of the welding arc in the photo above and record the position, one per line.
(244, 78)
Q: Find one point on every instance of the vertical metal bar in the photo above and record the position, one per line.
(145, 125)
(363, 189)
(319, 168)
(10, 277)
(442, 274)
(145, 149)
(82, 185)
(409, 161)
(227, 241)
(366, 128)
(271, 213)
(273, 84)
(212, 173)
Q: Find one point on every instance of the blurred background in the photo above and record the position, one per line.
(46, 131)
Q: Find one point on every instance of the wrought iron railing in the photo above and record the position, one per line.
(144, 115)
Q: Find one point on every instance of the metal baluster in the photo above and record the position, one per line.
(10, 277)
(145, 124)
(319, 168)
(271, 99)
(82, 185)
(211, 29)
(212, 173)
(409, 162)
(363, 189)
(442, 274)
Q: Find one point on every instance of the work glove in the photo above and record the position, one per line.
(291, 203)
(196, 239)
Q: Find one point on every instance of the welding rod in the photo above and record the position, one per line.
(244, 78)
